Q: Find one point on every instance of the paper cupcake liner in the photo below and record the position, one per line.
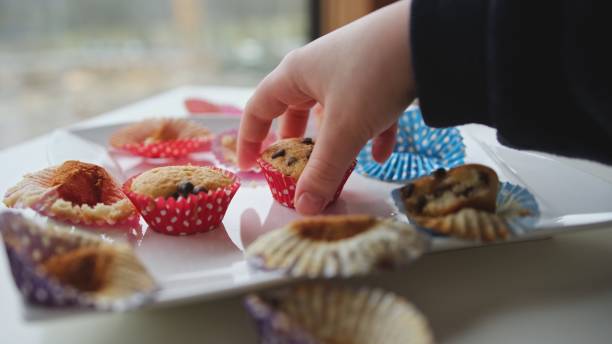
(177, 138)
(36, 191)
(337, 246)
(44, 206)
(283, 187)
(419, 151)
(184, 216)
(199, 106)
(168, 149)
(32, 247)
(321, 313)
(516, 214)
(518, 207)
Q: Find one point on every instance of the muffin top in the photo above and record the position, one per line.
(444, 192)
(175, 181)
(83, 183)
(289, 156)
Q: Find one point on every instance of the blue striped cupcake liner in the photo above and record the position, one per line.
(419, 151)
(515, 204)
(511, 201)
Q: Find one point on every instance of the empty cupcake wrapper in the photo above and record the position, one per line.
(322, 313)
(283, 187)
(419, 151)
(30, 246)
(363, 245)
(184, 216)
(515, 206)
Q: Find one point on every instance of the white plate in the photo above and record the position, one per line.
(212, 264)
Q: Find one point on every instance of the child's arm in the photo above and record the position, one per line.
(361, 74)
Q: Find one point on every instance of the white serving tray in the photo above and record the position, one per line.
(212, 264)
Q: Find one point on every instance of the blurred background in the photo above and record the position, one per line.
(62, 61)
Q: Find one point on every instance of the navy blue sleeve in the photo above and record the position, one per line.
(538, 71)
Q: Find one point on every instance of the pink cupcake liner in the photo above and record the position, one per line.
(283, 187)
(184, 216)
(169, 149)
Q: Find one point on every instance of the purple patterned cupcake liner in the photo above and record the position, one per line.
(322, 313)
(31, 247)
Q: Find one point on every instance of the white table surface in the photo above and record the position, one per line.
(549, 291)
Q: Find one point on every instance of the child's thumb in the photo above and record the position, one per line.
(331, 158)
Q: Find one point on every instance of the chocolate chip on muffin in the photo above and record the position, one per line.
(278, 154)
(308, 141)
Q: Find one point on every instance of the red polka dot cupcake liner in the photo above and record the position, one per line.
(283, 187)
(198, 213)
(169, 149)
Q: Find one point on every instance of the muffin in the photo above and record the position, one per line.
(461, 201)
(339, 245)
(162, 138)
(283, 163)
(75, 192)
(181, 200)
(327, 313)
(58, 266)
(444, 192)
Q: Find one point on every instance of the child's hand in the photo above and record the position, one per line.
(361, 74)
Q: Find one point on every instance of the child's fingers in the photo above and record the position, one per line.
(337, 146)
(272, 97)
(383, 144)
(294, 120)
(261, 109)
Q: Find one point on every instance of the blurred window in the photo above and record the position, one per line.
(65, 60)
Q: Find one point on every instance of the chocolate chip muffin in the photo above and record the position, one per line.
(444, 192)
(179, 181)
(289, 156)
(460, 202)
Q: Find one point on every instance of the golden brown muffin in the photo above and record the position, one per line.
(85, 192)
(175, 181)
(289, 156)
(158, 130)
(444, 192)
